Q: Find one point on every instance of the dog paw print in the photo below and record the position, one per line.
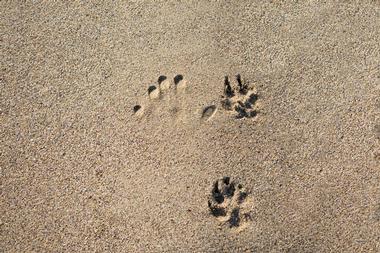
(239, 98)
(227, 202)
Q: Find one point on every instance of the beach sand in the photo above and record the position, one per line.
(190, 126)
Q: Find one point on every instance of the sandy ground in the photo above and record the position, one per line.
(91, 161)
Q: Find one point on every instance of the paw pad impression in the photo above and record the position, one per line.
(227, 203)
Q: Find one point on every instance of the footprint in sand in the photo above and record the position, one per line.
(157, 92)
(239, 98)
(171, 89)
(229, 203)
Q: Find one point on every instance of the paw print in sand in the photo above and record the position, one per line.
(228, 203)
(239, 98)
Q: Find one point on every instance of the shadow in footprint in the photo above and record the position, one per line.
(228, 91)
(163, 83)
(208, 112)
(136, 108)
(180, 83)
(242, 113)
(234, 218)
(151, 89)
(153, 92)
(243, 87)
(253, 98)
(161, 79)
(217, 211)
(177, 79)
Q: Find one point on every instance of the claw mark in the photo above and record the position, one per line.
(227, 88)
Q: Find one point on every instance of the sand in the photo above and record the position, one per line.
(190, 126)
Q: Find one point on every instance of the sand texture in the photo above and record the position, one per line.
(190, 126)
